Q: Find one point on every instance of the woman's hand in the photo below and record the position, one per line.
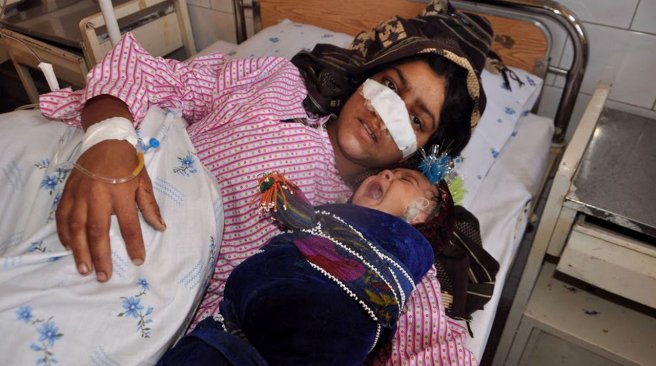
(84, 212)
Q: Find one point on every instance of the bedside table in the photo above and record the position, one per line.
(599, 229)
(613, 240)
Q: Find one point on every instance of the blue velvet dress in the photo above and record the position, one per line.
(326, 292)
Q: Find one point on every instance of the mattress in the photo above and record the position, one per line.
(502, 204)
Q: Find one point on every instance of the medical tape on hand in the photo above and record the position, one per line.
(391, 109)
(115, 128)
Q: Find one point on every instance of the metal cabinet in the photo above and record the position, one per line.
(587, 295)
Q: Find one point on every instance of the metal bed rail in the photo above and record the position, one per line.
(534, 9)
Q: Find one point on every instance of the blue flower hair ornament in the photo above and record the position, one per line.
(435, 165)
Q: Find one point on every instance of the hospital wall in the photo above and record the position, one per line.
(622, 36)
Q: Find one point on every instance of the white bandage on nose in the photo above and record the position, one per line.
(391, 109)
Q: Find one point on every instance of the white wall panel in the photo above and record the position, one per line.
(615, 13)
(645, 18)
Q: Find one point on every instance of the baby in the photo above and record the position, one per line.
(329, 289)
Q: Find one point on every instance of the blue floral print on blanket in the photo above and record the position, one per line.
(57, 317)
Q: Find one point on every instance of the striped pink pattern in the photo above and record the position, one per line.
(235, 108)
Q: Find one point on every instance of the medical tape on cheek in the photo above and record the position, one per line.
(415, 208)
(391, 109)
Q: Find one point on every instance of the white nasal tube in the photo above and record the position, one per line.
(391, 109)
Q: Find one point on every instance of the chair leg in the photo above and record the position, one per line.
(185, 27)
(28, 83)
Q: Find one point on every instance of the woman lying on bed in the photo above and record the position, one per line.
(247, 116)
(332, 288)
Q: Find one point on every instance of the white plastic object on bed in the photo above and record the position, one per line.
(49, 73)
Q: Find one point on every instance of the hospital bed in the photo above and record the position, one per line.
(511, 152)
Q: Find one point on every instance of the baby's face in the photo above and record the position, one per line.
(397, 192)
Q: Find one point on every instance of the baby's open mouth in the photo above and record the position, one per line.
(375, 190)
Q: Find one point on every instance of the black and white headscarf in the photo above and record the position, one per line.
(332, 73)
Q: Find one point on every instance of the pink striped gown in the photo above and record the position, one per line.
(235, 108)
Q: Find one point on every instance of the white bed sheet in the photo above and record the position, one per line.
(226, 48)
(508, 182)
(501, 206)
(220, 46)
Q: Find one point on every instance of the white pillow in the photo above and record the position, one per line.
(287, 38)
(498, 122)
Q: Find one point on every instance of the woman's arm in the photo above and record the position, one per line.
(102, 107)
(211, 93)
(125, 83)
(129, 73)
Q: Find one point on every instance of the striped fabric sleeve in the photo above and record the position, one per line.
(425, 335)
(208, 89)
(140, 80)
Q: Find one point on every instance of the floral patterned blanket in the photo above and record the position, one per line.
(49, 314)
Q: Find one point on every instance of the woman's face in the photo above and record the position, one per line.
(358, 135)
(394, 191)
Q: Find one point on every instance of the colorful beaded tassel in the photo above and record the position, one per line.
(273, 186)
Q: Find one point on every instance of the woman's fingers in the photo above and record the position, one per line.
(128, 221)
(97, 235)
(63, 212)
(147, 203)
(76, 223)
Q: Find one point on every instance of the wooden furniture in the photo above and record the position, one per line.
(599, 227)
(71, 35)
(4, 56)
(168, 30)
(27, 52)
(530, 53)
